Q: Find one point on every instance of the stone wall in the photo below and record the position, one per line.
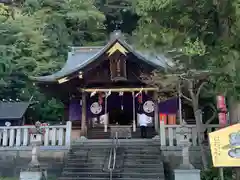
(13, 161)
(172, 157)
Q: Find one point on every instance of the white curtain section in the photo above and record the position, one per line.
(94, 121)
(104, 120)
(149, 119)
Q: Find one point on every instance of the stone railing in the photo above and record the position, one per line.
(19, 136)
(168, 136)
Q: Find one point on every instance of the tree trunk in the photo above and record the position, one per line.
(199, 124)
(234, 110)
(197, 114)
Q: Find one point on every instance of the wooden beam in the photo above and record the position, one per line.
(134, 112)
(156, 116)
(84, 115)
(118, 89)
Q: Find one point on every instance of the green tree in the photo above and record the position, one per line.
(35, 42)
(200, 38)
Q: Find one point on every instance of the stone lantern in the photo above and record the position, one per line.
(36, 137)
(34, 172)
(186, 169)
(183, 140)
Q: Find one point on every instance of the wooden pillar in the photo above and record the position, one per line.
(66, 111)
(134, 112)
(180, 104)
(106, 115)
(84, 114)
(156, 113)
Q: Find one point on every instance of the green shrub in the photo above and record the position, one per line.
(213, 174)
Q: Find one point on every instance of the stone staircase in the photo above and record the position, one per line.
(98, 133)
(135, 160)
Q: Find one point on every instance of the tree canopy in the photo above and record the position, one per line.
(200, 34)
(34, 40)
(201, 38)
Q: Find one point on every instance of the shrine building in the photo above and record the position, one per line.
(102, 89)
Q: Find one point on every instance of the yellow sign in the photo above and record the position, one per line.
(115, 47)
(225, 146)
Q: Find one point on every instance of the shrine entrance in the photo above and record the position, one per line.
(120, 117)
(120, 108)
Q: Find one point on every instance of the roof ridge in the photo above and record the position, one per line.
(84, 47)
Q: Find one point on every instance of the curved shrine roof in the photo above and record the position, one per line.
(80, 57)
(13, 110)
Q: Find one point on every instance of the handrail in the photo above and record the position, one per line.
(113, 152)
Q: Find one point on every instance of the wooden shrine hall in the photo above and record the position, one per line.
(102, 89)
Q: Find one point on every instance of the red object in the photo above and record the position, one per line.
(100, 98)
(172, 119)
(163, 117)
(44, 124)
(140, 99)
(30, 130)
(221, 104)
(222, 117)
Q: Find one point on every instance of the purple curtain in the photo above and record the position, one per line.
(145, 97)
(127, 102)
(169, 106)
(120, 108)
(90, 101)
(114, 102)
(75, 110)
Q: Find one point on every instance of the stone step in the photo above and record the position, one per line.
(142, 163)
(83, 169)
(122, 144)
(138, 159)
(130, 142)
(124, 169)
(126, 165)
(86, 159)
(97, 142)
(142, 155)
(85, 163)
(106, 174)
(104, 146)
(86, 174)
(151, 149)
(157, 170)
(124, 151)
(99, 178)
(126, 159)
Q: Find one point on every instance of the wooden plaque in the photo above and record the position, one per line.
(118, 69)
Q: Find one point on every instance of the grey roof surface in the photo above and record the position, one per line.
(79, 57)
(13, 110)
